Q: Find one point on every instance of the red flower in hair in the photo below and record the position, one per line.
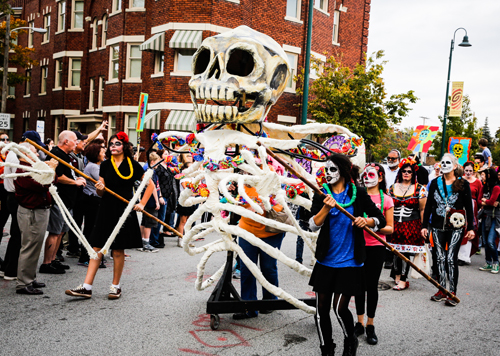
(122, 136)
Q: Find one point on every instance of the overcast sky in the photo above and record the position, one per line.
(416, 38)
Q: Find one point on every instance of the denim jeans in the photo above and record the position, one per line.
(268, 267)
(489, 238)
(155, 232)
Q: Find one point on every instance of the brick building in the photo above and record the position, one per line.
(98, 56)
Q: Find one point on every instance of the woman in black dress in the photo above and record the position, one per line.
(118, 173)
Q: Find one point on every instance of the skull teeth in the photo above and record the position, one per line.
(215, 93)
(216, 113)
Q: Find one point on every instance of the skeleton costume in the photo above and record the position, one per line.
(447, 233)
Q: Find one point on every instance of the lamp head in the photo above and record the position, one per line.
(465, 42)
(42, 30)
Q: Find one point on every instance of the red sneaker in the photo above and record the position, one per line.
(439, 296)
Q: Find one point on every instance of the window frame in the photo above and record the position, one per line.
(73, 15)
(132, 7)
(91, 93)
(46, 26)
(294, 67)
(104, 31)
(324, 8)
(27, 86)
(159, 63)
(58, 78)
(116, 6)
(177, 71)
(61, 16)
(31, 33)
(335, 30)
(111, 124)
(128, 74)
(111, 78)
(297, 10)
(95, 33)
(70, 73)
(100, 95)
(130, 130)
(44, 71)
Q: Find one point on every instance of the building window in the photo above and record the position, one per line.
(336, 18)
(130, 126)
(77, 14)
(134, 61)
(292, 59)
(75, 65)
(111, 125)
(104, 30)
(183, 59)
(59, 73)
(91, 94)
(26, 124)
(61, 21)
(30, 34)
(27, 86)
(117, 5)
(321, 4)
(46, 26)
(95, 28)
(159, 62)
(43, 79)
(115, 62)
(293, 9)
(137, 3)
(101, 92)
(315, 70)
(12, 92)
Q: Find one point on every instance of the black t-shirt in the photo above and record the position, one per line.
(66, 192)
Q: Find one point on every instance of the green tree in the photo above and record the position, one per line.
(392, 138)
(463, 126)
(355, 97)
(486, 132)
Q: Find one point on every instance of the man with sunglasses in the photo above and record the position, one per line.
(392, 167)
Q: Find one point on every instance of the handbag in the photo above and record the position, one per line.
(423, 261)
(455, 218)
(281, 217)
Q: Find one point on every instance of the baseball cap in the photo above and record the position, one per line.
(80, 136)
(33, 136)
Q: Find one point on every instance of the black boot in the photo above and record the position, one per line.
(328, 349)
(350, 346)
(371, 338)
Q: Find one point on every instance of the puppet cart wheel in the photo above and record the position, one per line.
(214, 321)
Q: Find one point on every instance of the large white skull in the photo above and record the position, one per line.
(237, 76)
(332, 174)
(457, 220)
(446, 165)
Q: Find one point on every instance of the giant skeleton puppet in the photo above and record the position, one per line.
(237, 77)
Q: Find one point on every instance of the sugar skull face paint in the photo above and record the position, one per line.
(446, 165)
(332, 173)
(468, 171)
(370, 177)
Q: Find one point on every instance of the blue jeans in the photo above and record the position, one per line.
(489, 238)
(155, 232)
(268, 267)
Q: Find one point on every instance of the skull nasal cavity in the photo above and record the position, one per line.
(202, 61)
(240, 63)
(215, 70)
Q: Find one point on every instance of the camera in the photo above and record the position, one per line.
(141, 149)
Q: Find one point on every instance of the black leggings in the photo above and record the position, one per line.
(322, 316)
(375, 256)
(447, 260)
(400, 267)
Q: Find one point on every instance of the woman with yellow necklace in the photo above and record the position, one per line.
(340, 250)
(119, 173)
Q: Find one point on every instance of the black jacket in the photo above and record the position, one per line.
(362, 204)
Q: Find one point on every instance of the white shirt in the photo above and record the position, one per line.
(9, 182)
(390, 176)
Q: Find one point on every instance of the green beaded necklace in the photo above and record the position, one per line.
(346, 205)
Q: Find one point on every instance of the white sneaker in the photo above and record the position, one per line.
(149, 248)
(7, 278)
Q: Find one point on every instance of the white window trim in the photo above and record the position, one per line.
(336, 28)
(114, 4)
(31, 35)
(299, 10)
(126, 117)
(70, 74)
(46, 67)
(104, 30)
(293, 19)
(73, 13)
(129, 79)
(61, 28)
(57, 89)
(322, 58)
(48, 29)
(131, 8)
(179, 73)
(59, 62)
(91, 94)
(95, 34)
(157, 66)
(110, 74)
(294, 83)
(234, 1)
(323, 10)
(76, 54)
(118, 39)
(27, 84)
(159, 75)
(287, 119)
(100, 95)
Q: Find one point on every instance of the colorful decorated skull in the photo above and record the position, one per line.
(332, 173)
(237, 76)
(458, 150)
(423, 135)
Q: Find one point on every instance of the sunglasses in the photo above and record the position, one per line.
(392, 158)
(5, 139)
(406, 171)
(116, 143)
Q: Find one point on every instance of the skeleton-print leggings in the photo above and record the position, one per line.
(322, 316)
(446, 260)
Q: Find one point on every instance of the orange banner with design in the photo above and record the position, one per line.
(457, 93)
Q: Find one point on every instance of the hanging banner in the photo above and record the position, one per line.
(422, 137)
(460, 148)
(141, 113)
(457, 92)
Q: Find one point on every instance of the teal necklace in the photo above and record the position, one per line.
(346, 205)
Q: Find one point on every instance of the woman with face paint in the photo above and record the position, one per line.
(409, 202)
(490, 218)
(374, 180)
(340, 249)
(119, 173)
(450, 204)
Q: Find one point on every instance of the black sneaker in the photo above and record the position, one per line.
(79, 291)
(73, 254)
(29, 290)
(37, 284)
(59, 265)
(49, 269)
(359, 329)
(371, 337)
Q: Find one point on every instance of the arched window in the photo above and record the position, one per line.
(104, 30)
(94, 33)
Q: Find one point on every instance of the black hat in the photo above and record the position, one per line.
(33, 136)
(80, 136)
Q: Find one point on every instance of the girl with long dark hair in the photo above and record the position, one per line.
(374, 180)
(119, 173)
(450, 205)
(340, 250)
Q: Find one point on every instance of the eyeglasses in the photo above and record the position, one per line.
(116, 143)
(4, 139)
(407, 171)
(392, 158)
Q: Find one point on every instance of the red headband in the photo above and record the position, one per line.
(122, 136)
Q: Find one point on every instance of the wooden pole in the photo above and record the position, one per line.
(368, 230)
(105, 188)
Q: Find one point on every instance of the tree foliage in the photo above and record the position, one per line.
(355, 97)
(392, 138)
(487, 133)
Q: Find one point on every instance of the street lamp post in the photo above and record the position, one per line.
(6, 47)
(465, 43)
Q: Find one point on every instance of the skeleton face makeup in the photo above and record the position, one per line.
(332, 173)
(370, 177)
(468, 171)
(446, 165)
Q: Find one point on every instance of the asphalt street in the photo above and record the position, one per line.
(161, 313)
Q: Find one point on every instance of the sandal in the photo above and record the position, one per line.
(398, 288)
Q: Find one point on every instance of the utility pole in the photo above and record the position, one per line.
(424, 118)
(5, 73)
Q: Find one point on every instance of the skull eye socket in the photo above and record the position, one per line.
(202, 61)
(240, 63)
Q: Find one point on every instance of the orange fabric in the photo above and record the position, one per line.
(253, 226)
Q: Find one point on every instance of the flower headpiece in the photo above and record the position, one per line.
(409, 161)
(122, 136)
